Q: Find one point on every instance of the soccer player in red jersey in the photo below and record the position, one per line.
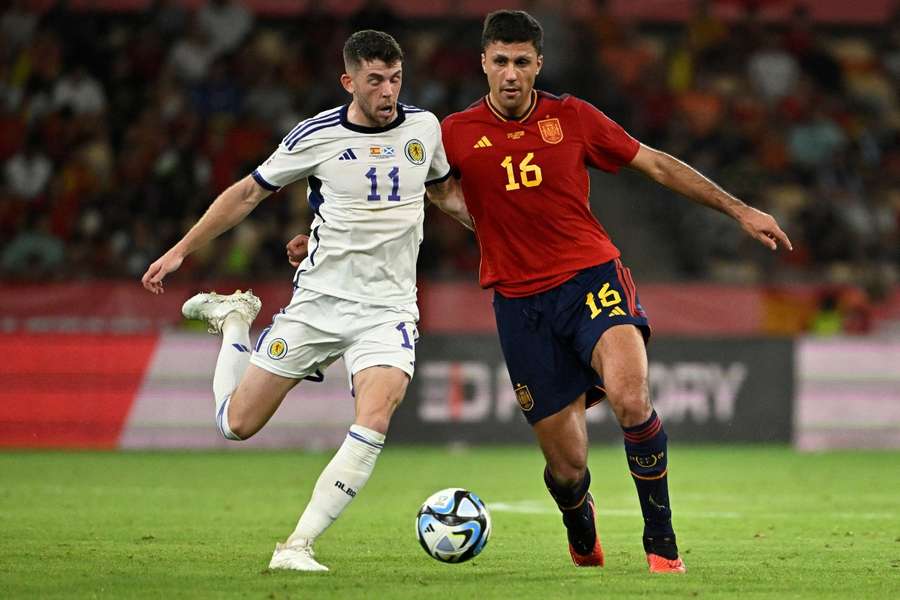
(570, 322)
(566, 307)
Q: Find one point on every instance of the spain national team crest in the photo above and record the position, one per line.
(277, 349)
(415, 152)
(551, 131)
(523, 395)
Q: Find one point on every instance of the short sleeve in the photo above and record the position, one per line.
(607, 146)
(447, 137)
(439, 169)
(292, 160)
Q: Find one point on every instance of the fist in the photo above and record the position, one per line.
(297, 249)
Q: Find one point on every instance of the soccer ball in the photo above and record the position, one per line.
(453, 525)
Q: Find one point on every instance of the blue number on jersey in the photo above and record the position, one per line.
(394, 175)
(373, 195)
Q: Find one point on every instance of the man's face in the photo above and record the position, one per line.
(511, 70)
(375, 87)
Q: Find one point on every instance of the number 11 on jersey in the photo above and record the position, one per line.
(394, 175)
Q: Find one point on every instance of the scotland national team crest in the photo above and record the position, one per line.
(551, 131)
(277, 349)
(523, 395)
(415, 152)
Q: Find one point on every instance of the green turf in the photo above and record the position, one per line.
(752, 523)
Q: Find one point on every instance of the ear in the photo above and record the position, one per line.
(540, 63)
(347, 83)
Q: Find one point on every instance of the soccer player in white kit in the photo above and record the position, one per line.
(367, 164)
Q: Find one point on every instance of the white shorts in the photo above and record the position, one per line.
(315, 330)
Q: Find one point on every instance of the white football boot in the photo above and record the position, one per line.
(297, 557)
(213, 308)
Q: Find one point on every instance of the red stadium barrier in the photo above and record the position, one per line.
(69, 390)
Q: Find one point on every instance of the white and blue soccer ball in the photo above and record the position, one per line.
(453, 525)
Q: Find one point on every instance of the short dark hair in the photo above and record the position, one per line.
(510, 27)
(367, 45)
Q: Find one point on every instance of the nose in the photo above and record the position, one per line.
(509, 73)
(386, 89)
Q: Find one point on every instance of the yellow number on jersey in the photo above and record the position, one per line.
(607, 297)
(530, 175)
(512, 185)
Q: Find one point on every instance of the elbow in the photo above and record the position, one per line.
(250, 192)
(659, 168)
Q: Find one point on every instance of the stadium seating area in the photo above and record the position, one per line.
(118, 129)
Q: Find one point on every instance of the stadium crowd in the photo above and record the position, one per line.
(118, 129)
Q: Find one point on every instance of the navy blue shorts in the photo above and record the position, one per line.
(548, 338)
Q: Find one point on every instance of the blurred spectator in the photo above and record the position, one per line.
(219, 94)
(80, 92)
(226, 22)
(803, 42)
(270, 100)
(827, 319)
(28, 172)
(842, 310)
(17, 25)
(772, 70)
(814, 141)
(192, 55)
(34, 253)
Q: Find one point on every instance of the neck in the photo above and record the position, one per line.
(513, 112)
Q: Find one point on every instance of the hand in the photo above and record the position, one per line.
(763, 227)
(167, 263)
(297, 249)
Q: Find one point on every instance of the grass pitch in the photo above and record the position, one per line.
(752, 523)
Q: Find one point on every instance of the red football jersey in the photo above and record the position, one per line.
(526, 186)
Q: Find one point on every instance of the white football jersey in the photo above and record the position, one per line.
(367, 190)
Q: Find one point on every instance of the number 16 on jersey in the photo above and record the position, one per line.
(529, 174)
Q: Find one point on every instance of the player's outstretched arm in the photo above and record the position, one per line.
(225, 212)
(448, 196)
(687, 181)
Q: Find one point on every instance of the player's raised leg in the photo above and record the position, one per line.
(379, 390)
(621, 359)
(246, 398)
(563, 440)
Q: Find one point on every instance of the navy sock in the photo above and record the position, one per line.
(647, 453)
(576, 512)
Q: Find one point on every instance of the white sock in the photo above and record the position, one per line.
(339, 483)
(230, 366)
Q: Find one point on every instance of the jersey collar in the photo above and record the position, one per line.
(401, 116)
(496, 111)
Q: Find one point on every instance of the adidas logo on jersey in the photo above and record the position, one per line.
(348, 155)
(484, 142)
(617, 312)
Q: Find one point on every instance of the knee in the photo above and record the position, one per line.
(376, 403)
(236, 427)
(568, 472)
(630, 401)
(241, 430)
(377, 418)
